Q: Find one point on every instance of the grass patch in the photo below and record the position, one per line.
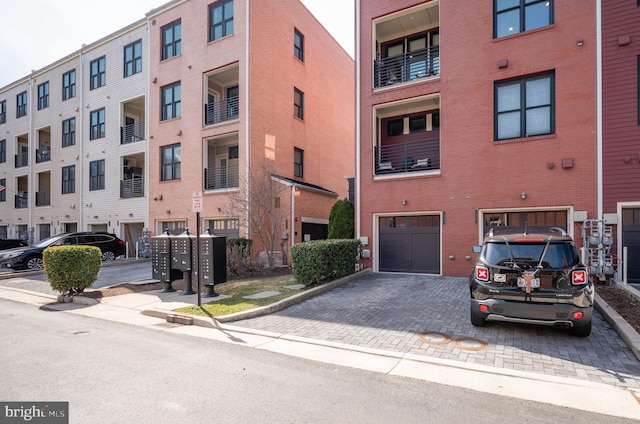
(238, 289)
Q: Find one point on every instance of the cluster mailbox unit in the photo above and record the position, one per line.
(178, 257)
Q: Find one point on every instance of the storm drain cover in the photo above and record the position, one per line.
(468, 343)
(261, 295)
(295, 287)
(435, 337)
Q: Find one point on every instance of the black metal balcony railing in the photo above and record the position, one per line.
(22, 159)
(407, 67)
(407, 157)
(22, 201)
(43, 198)
(221, 177)
(224, 110)
(133, 187)
(43, 155)
(132, 133)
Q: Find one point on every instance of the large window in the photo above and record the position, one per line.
(3, 112)
(298, 45)
(3, 151)
(133, 58)
(43, 95)
(525, 107)
(298, 103)
(97, 124)
(170, 163)
(69, 132)
(514, 16)
(220, 19)
(298, 162)
(171, 40)
(21, 104)
(3, 190)
(97, 68)
(171, 95)
(69, 84)
(69, 179)
(96, 175)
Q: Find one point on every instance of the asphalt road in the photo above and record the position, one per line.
(111, 372)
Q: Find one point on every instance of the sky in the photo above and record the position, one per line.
(36, 33)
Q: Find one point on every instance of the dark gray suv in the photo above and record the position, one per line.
(532, 279)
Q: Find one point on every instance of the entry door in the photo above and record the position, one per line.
(410, 244)
(222, 167)
(631, 240)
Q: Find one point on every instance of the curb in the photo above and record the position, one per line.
(210, 322)
(622, 327)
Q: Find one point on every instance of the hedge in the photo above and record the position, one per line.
(71, 269)
(319, 261)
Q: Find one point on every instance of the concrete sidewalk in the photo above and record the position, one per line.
(151, 310)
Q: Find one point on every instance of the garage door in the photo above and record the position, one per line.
(631, 240)
(410, 244)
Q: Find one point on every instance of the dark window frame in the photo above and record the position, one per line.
(173, 47)
(224, 25)
(171, 169)
(69, 84)
(98, 72)
(171, 108)
(132, 62)
(68, 179)
(43, 95)
(298, 162)
(3, 111)
(69, 132)
(21, 104)
(298, 103)
(521, 9)
(3, 151)
(97, 124)
(523, 108)
(395, 127)
(3, 193)
(97, 175)
(298, 44)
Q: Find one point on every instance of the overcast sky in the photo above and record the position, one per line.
(39, 32)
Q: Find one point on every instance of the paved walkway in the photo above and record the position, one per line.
(427, 315)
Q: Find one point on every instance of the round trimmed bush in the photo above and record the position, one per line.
(71, 269)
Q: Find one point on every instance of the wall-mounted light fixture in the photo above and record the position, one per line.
(579, 42)
(159, 197)
(404, 201)
(523, 195)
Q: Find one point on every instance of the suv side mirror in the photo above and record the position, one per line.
(476, 249)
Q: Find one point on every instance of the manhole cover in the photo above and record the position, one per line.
(468, 343)
(435, 337)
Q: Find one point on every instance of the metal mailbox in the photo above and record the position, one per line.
(181, 251)
(161, 268)
(213, 260)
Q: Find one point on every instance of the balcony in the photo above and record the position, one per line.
(133, 187)
(43, 198)
(221, 111)
(410, 66)
(22, 201)
(43, 155)
(22, 159)
(221, 177)
(414, 156)
(132, 133)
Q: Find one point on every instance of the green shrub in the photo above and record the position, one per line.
(238, 255)
(341, 220)
(71, 269)
(319, 261)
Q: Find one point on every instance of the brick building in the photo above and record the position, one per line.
(471, 115)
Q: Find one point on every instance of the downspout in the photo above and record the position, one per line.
(293, 214)
(357, 117)
(31, 192)
(80, 172)
(146, 128)
(247, 115)
(599, 108)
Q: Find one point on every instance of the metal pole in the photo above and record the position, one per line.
(199, 267)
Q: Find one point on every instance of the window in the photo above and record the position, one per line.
(21, 104)
(97, 124)
(524, 107)
(298, 103)
(3, 112)
(3, 151)
(170, 163)
(417, 123)
(3, 192)
(395, 127)
(514, 16)
(43, 95)
(69, 132)
(298, 162)
(220, 19)
(96, 175)
(98, 76)
(69, 85)
(172, 40)
(171, 101)
(69, 179)
(133, 58)
(298, 45)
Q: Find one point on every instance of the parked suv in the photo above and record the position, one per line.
(11, 243)
(533, 279)
(30, 257)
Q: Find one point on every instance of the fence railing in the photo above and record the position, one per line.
(43, 198)
(132, 133)
(419, 63)
(224, 110)
(133, 187)
(221, 177)
(407, 157)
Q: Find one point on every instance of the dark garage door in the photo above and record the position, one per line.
(410, 244)
(631, 240)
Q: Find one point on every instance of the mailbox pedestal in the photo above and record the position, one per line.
(161, 262)
(213, 261)
(182, 258)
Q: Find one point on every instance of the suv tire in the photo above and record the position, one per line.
(476, 320)
(582, 330)
(108, 255)
(34, 262)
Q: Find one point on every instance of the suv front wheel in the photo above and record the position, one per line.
(34, 262)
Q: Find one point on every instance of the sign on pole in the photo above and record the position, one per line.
(197, 202)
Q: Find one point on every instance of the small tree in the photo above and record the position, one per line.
(341, 220)
(71, 269)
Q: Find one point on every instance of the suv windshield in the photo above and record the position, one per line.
(558, 255)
